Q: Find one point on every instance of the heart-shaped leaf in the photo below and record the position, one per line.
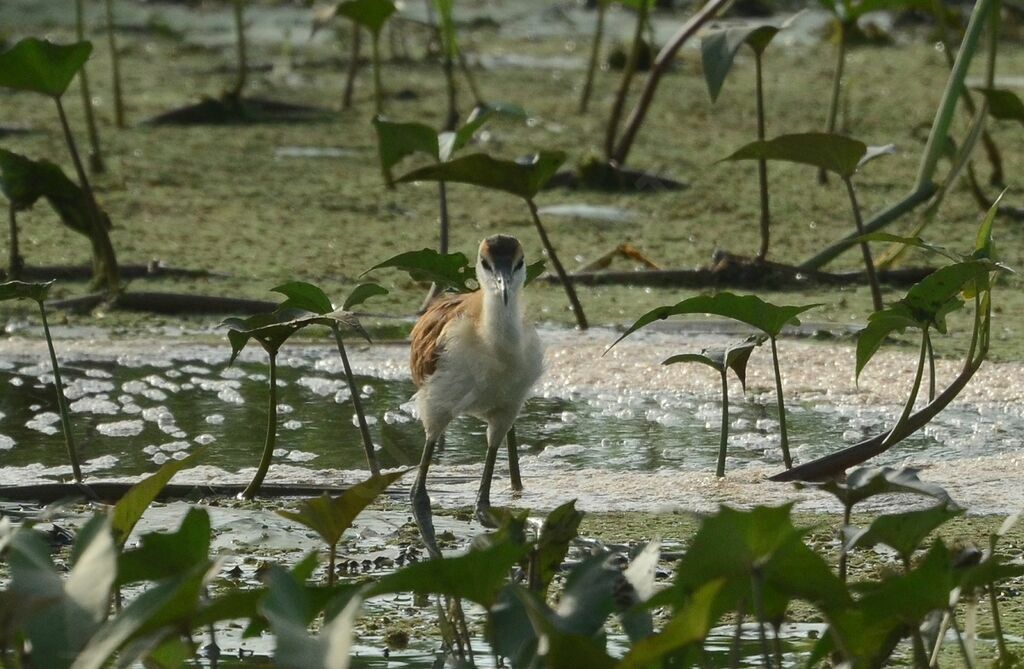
(371, 14)
(41, 66)
(362, 293)
(450, 271)
(164, 554)
(718, 50)
(396, 141)
(903, 532)
(560, 527)
(1003, 105)
(303, 295)
(835, 153)
(274, 329)
(865, 482)
(524, 177)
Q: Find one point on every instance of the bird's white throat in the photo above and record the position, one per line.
(502, 324)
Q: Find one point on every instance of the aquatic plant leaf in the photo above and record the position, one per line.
(642, 573)
(24, 181)
(737, 357)
(169, 605)
(994, 569)
(303, 295)
(929, 298)
(718, 50)
(588, 597)
(903, 532)
(560, 527)
(524, 177)
(64, 614)
(907, 598)
(533, 271)
(866, 482)
(287, 606)
(18, 180)
(881, 324)
(749, 309)
(835, 153)
(916, 242)
(715, 362)
(1003, 104)
(478, 575)
(42, 66)
(371, 14)
(362, 293)
(16, 290)
(274, 329)
(164, 554)
(129, 509)
(509, 628)
(450, 271)
(331, 516)
(450, 142)
(397, 141)
(984, 246)
(690, 624)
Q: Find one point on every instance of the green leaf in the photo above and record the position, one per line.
(559, 529)
(880, 325)
(129, 509)
(903, 532)
(834, 153)
(303, 295)
(450, 271)
(984, 247)
(1003, 105)
(396, 141)
(362, 293)
(449, 37)
(588, 597)
(16, 290)
(41, 66)
(689, 625)
(866, 482)
(164, 554)
(712, 360)
(371, 14)
(24, 181)
(331, 516)
(749, 309)
(916, 242)
(450, 142)
(736, 357)
(274, 329)
(718, 49)
(524, 177)
(928, 299)
(533, 271)
(477, 576)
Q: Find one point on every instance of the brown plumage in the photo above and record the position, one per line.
(428, 332)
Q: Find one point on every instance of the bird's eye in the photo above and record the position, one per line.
(519, 265)
(487, 265)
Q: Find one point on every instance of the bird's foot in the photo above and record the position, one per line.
(423, 516)
(485, 516)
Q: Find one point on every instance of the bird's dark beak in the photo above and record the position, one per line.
(504, 279)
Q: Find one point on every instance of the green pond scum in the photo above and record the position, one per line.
(340, 139)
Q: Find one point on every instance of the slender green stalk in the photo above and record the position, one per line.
(115, 67)
(837, 82)
(357, 404)
(268, 446)
(332, 557)
(442, 241)
(595, 56)
(762, 164)
(847, 512)
(720, 471)
(777, 644)
(95, 153)
(103, 250)
(467, 72)
(14, 262)
(968, 661)
(242, 75)
(931, 368)
(997, 627)
(758, 595)
(869, 265)
(448, 67)
(62, 402)
(378, 88)
(353, 67)
(908, 408)
(627, 78)
(737, 635)
(570, 291)
(782, 406)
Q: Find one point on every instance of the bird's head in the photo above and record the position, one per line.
(501, 267)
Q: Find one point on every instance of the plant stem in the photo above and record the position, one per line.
(378, 89)
(997, 626)
(470, 79)
(268, 446)
(353, 67)
(448, 67)
(595, 56)
(837, 80)
(658, 69)
(103, 251)
(758, 595)
(762, 164)
(357, 404)
(782, 406)
(737, 635)
(931, 368)
(95, 153)
(627, 78)
(968, 661)
(115, 67)
(909, 406)
(847, 511)
(332, 556)
(62, 402)
(574, 302)
(442, 242)
(720, 471)
(869, 265)
(14, 263)
(243, 67)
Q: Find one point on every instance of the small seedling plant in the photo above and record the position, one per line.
(750, 309)
(370, 15)
(305, 305)
(43, 67)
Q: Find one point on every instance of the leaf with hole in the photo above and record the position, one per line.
(42, 66)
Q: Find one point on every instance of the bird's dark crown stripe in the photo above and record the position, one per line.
(502, 246)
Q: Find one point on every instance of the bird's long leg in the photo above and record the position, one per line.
(496, 431)
(421, 500)
(514, 475)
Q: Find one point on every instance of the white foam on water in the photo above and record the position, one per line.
(97, 405)
(204, 439)
(321, 386)
(6, 443)
(370, 420)
(154, 394)
(79, 388)
(123, 428)
(98, 374)
(215, 419)
(301, 456)
(292, 425)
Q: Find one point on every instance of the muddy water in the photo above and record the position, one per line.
(599, 428)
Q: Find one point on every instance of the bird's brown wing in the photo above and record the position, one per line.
(426, 334)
